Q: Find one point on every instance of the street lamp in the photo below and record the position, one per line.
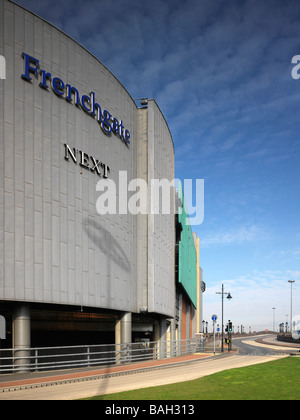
(274, 319)
(291, 281)
(229, 297)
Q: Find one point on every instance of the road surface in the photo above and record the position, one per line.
(269, 346)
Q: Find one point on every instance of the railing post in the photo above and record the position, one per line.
(88, 356)
(36, 360)
(118, 354)
(128, 352)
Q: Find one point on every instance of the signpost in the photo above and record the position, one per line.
(214, 320)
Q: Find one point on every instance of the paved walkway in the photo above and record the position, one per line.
(41, 382)
(31, 380)
(135, 379)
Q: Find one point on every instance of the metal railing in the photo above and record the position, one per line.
(55, 358)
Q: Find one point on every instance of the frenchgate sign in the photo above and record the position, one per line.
(88, 104)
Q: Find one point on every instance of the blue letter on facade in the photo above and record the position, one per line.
(28, 69)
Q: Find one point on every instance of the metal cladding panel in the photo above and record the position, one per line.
(156, 230)
(161, 227)
(187, 261)
(54, 245)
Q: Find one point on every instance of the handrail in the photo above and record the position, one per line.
(51, 358)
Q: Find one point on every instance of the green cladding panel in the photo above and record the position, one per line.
(187, 255)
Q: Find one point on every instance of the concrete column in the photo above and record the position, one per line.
(21, 338)
(123, 337)
(173, 338)
(179, 335)
(126, 327)
(160, 336)
(2, 328)
(156, 338)
(118, 341)
(163, 338)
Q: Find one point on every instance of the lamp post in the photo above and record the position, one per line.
(291, 281)
(274, 319)
(228, 297)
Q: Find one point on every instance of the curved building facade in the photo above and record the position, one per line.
(92, 250)
(67, 123)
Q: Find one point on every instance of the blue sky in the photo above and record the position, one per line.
(220, 70)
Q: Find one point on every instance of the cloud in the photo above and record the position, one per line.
(232, 236)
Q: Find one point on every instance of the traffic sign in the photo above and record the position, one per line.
(214, 318)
